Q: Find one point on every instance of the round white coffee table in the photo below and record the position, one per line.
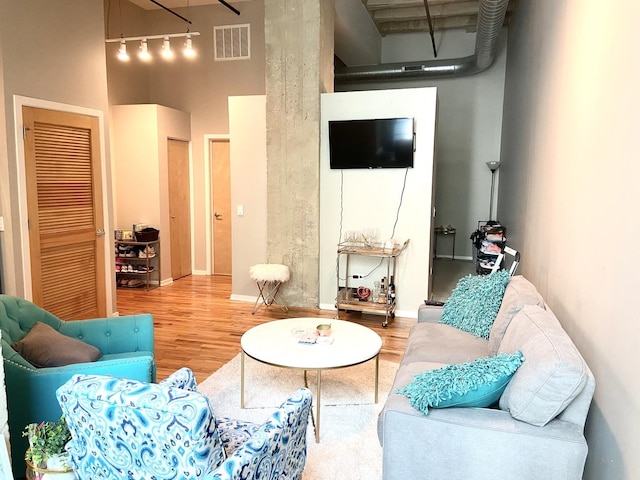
(278, 343)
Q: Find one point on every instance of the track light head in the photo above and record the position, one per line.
(166, 52)
(144, 54)
(122, 52)
(188, 51)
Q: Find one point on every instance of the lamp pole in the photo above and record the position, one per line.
(493, 166)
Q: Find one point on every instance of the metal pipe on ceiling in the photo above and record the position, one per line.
(491, 15)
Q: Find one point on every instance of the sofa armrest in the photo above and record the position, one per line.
(429, 313)
(131, 333)
(479, 444)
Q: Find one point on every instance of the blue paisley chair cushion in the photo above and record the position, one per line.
(128, 429)
(125, 429)
(234, 433)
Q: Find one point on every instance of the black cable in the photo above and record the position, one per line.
(404, 185)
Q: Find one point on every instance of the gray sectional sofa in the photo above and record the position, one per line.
(536, 431)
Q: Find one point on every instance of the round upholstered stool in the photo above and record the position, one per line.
(269, 277)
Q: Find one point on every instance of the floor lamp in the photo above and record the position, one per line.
(493, 166)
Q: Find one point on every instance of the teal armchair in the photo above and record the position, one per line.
(126, 350)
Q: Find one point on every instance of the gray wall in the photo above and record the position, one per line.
(41, 57)
(52, 51)
(569, 183)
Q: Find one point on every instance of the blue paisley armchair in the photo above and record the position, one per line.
(128, 429)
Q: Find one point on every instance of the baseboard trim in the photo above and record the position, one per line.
(242, 298)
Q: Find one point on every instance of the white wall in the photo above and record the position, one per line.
(371, 198)
(248, 157)
(569, 192)
(469, 128)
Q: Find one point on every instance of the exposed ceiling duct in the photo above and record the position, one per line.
(490, 20)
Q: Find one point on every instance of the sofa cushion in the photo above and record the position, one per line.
(474, 303)
(435, 342)
(519, 292)
(43, 346)
(473, 384)
(553, 374)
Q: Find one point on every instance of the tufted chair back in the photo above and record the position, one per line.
(17, 318)
(126, 347)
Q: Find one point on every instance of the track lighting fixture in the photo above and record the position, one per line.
(144, 53)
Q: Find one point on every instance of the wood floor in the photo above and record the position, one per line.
(197, 326)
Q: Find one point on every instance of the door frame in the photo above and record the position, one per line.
(208, 195)
(23, 215)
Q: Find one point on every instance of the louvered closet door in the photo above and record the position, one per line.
(66, 226)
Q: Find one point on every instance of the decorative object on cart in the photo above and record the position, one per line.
(493, 166)
(127, 234)
(363, 293)
(46, 457)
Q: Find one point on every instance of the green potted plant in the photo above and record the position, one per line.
(46, 457)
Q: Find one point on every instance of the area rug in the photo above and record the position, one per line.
(349, 446)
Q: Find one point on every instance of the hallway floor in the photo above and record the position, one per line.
(446, 273)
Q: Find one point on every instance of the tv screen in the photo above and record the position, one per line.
(375, 143)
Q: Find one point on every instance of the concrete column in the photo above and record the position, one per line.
(299, 67)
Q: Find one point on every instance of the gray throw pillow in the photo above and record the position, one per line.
(554, 373)
(43, 346)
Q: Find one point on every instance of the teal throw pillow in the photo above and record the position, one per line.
(474, 384)
(474, 303)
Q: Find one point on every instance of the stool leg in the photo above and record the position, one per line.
(267, 293)
(261, 289)
(272, 296)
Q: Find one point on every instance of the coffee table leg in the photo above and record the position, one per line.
(242, 379)
(318, 389)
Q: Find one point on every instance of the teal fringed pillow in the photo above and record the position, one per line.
(474, 303)
(474, 384)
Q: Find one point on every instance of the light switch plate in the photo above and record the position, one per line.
(240, 210)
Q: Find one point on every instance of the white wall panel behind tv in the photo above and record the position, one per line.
(370, 198)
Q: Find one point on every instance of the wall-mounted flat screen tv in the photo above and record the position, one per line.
(374, 143)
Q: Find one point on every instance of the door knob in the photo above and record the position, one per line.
(217, 215)
(99, 233)
(173, 216)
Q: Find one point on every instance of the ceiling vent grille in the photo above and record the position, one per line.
(232, 42)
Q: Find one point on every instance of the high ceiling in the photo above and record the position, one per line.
(389, 16)
(404, 16)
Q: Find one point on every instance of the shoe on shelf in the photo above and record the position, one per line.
(148, 252)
